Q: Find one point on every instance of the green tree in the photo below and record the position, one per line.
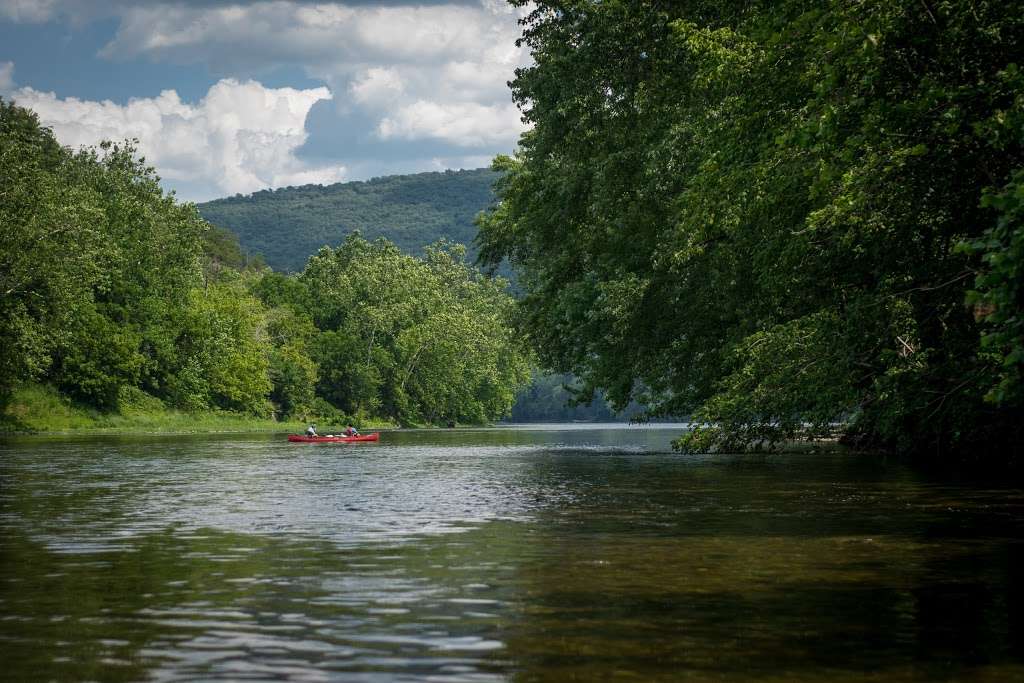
(293, 373)
(420, 340)
(102, 288)
(350, 372)
(224, 352)
(151, 259)
(97, 358)
(751, 211)
(999, 295)
(49, 246)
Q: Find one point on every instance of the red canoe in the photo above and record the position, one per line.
(334, 439)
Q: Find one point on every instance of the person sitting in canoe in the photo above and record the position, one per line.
(311, 430)
(351, 431)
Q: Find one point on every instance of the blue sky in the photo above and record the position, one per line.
(229, 98)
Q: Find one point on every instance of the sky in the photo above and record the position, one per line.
(233, 97)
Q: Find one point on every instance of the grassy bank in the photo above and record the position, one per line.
(41, 409)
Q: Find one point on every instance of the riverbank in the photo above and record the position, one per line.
(42, 410)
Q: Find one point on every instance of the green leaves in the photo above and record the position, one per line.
(751, 211)
(49, 246)
(121, 296)
(998, 294)
(224, 351)
(102, 289)
(418, 340)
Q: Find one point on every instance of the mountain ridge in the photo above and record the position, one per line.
(287, 225)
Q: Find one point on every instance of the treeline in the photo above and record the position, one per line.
(116, 294)
(287, 225)
(781, 215)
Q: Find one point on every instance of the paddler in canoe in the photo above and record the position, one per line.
(311, 430)
(351, 431)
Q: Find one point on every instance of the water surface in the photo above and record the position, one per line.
(539, 554)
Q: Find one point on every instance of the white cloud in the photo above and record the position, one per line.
(449, 63)
(460, 163)
(377, 87)
(6, 77)
(240, 137)
(424, 83)
(418, 33)
(476, 81)
(463, 124)
(267, 32)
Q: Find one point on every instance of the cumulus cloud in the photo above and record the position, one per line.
(38, 11)
(418, 82)
(449, 63)
(308, 34)
(240, 137)
(377, 87)
(463, 124)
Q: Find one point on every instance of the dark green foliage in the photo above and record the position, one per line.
(278, 289)
(999, 295)
(150, 262)
(752, 210)
(348, 378)
(288, 225)
(97, 358)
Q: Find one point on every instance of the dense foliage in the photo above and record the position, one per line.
(103, 283)
(418, 340)
(772, 212)
(121, 297)
(288, 225)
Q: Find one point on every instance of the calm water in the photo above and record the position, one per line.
(494, 555)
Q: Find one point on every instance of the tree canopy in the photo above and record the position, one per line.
(770, 214)
(104, 289)
(418, 340)
(118, 295)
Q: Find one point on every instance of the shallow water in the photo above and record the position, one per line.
(541, 554)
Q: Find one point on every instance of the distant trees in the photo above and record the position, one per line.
(771, 213)
(549, 398)
(111, 290)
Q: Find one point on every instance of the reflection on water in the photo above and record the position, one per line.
(510, 554)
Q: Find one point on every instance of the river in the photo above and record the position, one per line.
(514, 554)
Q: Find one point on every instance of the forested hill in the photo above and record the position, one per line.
(287, 225)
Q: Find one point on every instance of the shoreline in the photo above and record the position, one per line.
(274, 428)
(39, 410)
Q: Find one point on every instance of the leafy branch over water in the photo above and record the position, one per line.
(771, 214)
